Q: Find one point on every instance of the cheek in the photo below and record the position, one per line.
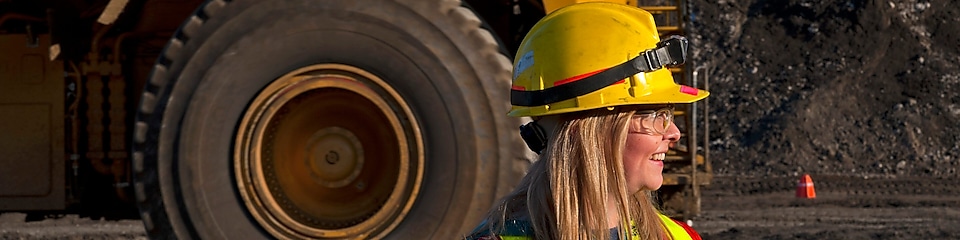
(632, 152)
(638, 148)
(638, 169)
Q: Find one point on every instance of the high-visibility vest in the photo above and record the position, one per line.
(517, 230)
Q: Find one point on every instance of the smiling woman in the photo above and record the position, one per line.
(593, 77)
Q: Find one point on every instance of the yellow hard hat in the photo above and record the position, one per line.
(593, 55)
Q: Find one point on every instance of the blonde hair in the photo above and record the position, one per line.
(564, 194)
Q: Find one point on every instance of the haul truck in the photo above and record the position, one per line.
(240, 119)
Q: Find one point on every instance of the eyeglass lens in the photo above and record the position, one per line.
(656, 121)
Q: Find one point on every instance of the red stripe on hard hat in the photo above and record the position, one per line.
(577, 77)
(689, 90)
(522, 88)
(568, 80)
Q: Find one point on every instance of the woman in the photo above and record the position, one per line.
(593, 78)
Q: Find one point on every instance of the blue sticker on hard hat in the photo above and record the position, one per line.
(525, 62)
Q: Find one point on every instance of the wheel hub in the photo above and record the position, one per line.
(328, 151)
(335, 157)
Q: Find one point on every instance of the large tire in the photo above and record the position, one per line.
(325, 119)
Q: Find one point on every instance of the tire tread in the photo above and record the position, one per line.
(146, 183)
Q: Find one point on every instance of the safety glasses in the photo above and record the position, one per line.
(653, 122)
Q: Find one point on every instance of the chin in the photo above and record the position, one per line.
(652, 187)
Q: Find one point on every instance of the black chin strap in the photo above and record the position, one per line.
(670, 52)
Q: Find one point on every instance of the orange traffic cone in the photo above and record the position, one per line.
(805, 187)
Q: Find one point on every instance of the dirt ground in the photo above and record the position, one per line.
(72, 227)
(861, 94)
(845, 207)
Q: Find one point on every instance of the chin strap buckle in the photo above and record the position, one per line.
(669, 53)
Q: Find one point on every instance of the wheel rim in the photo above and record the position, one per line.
(328, 151)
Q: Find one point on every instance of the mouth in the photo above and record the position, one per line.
(658, 156)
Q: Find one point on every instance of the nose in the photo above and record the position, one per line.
(672, 134)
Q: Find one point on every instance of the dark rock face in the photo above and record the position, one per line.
(858, 87)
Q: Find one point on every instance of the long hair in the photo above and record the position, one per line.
(564, 194)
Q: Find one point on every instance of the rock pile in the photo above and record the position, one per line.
(850, 87)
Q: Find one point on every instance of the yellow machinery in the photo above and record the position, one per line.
(279, 119)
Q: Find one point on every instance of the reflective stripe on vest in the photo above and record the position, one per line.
(679, 230)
